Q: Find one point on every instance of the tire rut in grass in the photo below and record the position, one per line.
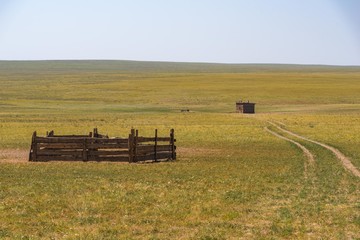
(339, 155)
(306, 151)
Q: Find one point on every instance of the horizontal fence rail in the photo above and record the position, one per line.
(97, 147)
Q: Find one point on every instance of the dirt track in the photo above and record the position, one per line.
(343, 159)
(306, 151)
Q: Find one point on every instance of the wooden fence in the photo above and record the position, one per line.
(97, 147)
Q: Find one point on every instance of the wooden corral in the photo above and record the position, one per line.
(97, 147)
(245, 107)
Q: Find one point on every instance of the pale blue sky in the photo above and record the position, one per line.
(229, 31)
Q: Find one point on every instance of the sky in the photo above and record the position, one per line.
(223, 31)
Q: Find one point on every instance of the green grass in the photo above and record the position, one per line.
(232, 179)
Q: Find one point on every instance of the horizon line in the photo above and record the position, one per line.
(181, 62)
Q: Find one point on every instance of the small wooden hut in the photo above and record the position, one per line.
(245, 107)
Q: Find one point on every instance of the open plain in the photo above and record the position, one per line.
(234, 178)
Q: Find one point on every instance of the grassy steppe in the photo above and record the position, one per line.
(232, 179)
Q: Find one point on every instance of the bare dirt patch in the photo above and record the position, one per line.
(13, 155)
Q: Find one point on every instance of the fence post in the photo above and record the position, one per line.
(95, 133)
(85, 155)
(131, 145)
(33, 150)
(135, 144)
(172, 143)
(155, 146)
(51, 133)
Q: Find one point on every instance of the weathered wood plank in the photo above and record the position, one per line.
(107, 146)
(109, 159)
(60, 146)
(148, 152)
(97, 153)
(159, 148)
(150, 139)
(152, 156)
(79, 158)
(145, 152)
(59, 158)
(58, 140)
(46, 152)
(69, 136)
(108, 140)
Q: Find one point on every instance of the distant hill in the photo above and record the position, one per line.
(61, 66)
